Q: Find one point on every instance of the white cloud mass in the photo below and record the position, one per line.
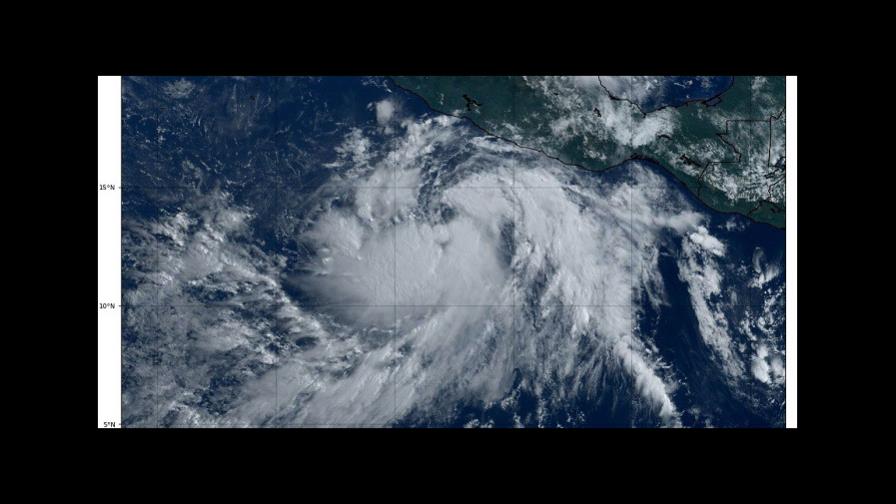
(498, 229)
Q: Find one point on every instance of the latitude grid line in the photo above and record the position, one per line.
(222, 304)
(274, 426)
(355, 186)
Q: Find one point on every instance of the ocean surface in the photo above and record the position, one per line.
(331, 252)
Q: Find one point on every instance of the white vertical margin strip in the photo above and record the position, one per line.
(790, 246)
(109, 252)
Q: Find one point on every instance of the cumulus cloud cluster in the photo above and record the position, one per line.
(619, 121)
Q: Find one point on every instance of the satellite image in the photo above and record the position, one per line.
(432, 252)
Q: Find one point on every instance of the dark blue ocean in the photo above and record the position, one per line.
(266, 141)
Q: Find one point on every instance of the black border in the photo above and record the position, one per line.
(457, 61)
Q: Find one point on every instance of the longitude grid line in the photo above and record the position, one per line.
(631, 256)
(120, 292)
(277, 366)
(514, 281)
(750, 167)
(394, 294)
(785, 250)
(154, 309)
(157, 309)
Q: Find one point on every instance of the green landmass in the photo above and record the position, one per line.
(729, 151)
